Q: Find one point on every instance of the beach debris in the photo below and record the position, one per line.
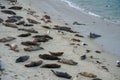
(83, 57)
(33, 48)
(1, 20)
(93, 35)
(48, 57)
(33, 21)
(30, 43)
(96, 79)
(118, 63)
(75, 40)
(98, 51)
(15, 7)
(67, 61)
(31, 30)
(62, 74)
(10, 25)
(22, 59)
(7, 39)
(24, 35)
(34, 63)
(42, 38)
(86, 74)
(77, 23)
(47, 27)
(56, 53)
(51, 66)
(104, 67)
(8, 12)
(28, 25)
(62, 28)
(20, 23)
(78, 35)
(13, 47)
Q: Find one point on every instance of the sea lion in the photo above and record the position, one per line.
(10, 25)
(86, 74)
(34, 63)
(51, 66)
(15, 7)
(30, 43)
(22, 59)
(65, 61)
(33, 48)
(20, 23)
(33, 21)
(62, 74)
(56, 53)
(48, 57)
(13, 47)
(8, 12)
(7, 39)
(31, 30)
(24, 35)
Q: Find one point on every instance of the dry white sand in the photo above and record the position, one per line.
(60, 42)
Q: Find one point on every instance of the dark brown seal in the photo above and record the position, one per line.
(8, 12)
(62, 74)
(56, 53)
(48, 57)
(7, 39)
(22, 59)
(15, 7)
(31, 30)
(33, 21)
(24, 35)
(30, 43)
(34, 63)
(51, 66)
(20, 23)
(33, 48)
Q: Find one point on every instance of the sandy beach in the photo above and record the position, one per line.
(102, 63)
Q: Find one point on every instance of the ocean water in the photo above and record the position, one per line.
(107, 9)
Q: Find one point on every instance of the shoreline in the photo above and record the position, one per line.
(102, 64)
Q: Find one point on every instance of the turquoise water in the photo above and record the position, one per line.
(108, 9)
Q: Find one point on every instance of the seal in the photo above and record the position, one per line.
(96, 79)
(34, 63)
(48, 57)
(8, 12)
(86, 74)
(10, 25)
(62, 74)
(31, 30)
(30, 43)
(15, 7)
(20, 23)
(16, 17)
(51, 66)
(65, 61)
(22, 59)
(7, 39)
(33, 48)
(33, 21)
(75, 40)
(28, 25)
(1, 20)
(93, 35)
(24, 35)
(56, 53)
(13, 47)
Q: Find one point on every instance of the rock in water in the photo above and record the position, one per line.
(62, 74)
(34, 63)
(8, 12)
(51, 66)
(22, 59)
(48, 57)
